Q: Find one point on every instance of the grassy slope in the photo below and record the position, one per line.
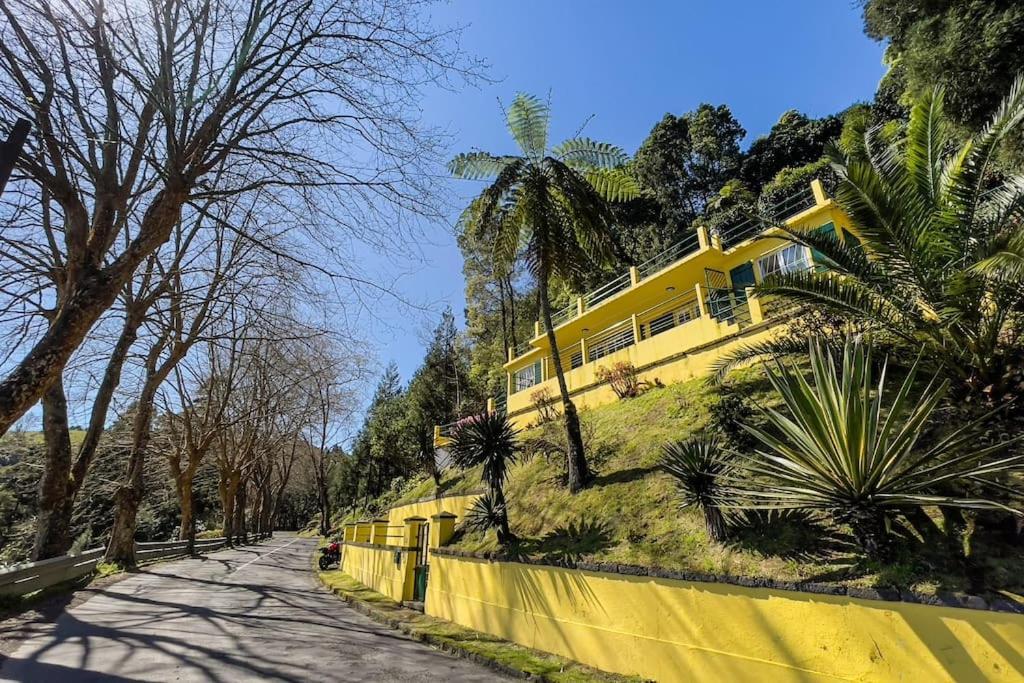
(631, 513)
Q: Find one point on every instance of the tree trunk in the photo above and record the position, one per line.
(54, 521)
(579, 471)
(505, 536)
(185, 502)
(53, 525)
(121, 549)
(239, 522)
(228, 487)
(714, 521)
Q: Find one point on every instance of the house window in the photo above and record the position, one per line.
(527, 377)
(786, 260)
(662, 323)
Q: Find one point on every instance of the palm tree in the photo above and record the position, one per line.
(488, 440)
(550, 208)
(838, 449)
(939, 260)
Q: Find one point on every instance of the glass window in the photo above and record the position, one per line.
(527, 377)
(786, 260)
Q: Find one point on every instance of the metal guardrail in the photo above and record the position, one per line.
(687, 245)
(34, 576)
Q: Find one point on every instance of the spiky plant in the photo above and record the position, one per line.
(939, 259)
(838, 447)
(488, 513)
(488, 440)
(548, 207)
(699, 465)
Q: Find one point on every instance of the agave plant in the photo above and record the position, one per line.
(939, 257)
(838, 448)
(550, 208)
(488, 440)
(700, 466)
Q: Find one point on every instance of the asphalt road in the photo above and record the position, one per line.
(256, 613)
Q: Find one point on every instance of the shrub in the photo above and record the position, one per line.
(700, 466)
(623, 379)
(544, 403)
(788, 181)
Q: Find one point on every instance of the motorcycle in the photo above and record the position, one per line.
(330, 554)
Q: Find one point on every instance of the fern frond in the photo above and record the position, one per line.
(527, 118)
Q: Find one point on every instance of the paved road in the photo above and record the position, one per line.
(256, 613)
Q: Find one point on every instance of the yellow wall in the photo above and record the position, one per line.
(376, 568)
(654, 361)
(681, 631)
(457, 505)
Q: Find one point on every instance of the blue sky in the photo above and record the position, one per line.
(627, 64)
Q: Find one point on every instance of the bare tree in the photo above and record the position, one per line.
(137, 105)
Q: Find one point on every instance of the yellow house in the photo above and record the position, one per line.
(670, 317)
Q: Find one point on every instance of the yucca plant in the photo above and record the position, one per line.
(549, 208)
(488, 513)
(838, 447)
(699, 465)
(938, 261)
(489, 440)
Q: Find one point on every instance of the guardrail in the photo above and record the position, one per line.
(45, 573)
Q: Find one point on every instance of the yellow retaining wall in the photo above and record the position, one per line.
(457, 505)
(375, 567)
(680, 631)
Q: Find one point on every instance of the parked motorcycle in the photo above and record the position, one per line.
(330, 554)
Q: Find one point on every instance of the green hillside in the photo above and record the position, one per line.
(631, 515)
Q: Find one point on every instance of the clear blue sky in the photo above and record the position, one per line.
(627, 64)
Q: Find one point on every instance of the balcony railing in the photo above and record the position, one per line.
(688, 245)
(729, 236)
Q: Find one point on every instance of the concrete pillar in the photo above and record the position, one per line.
(754, 304)
(442, 526)
(579, 305)
(411, 532)
(636, 328)
(537, 329)
(700, 301)
(491, 408)
(634, 276)
(583, 350)
(350, 532)
(508, 383)
(511, 354)
(379, 535)
(363, 530)
(819, 192)
(703, 238)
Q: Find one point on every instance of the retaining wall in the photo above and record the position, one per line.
(384, 568)
(674, 630)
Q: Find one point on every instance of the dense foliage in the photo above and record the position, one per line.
(938, 239)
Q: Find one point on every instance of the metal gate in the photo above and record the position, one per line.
(422, 567)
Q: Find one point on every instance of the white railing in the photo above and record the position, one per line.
(34, 576)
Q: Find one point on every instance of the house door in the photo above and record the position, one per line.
(742, 277)
(719, 305)
(421, 571)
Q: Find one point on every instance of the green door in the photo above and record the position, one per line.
(742, 277)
